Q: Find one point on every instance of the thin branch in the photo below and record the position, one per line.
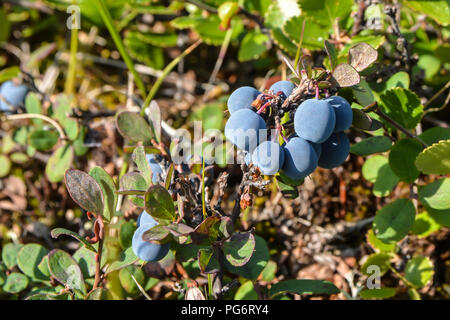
(402, 43)
(399, 127)
(38, 116)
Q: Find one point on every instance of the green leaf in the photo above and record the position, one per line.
(142, 163)
(313, 36)
(239, 248)
(209, 29)
(225, 12)
(108, 188)
(149, 55)
(377, 170)
(159, 203)
(246, 292)
(304, 286)
(133, 126)
(5, 166)
(9, 73)
(185, 22)
(33, 105)
(325, 12)
(60, 110)
(9, 254)
(381, 260)
(424, 225)
(394, 220)
(363, 93)
(99, 294)
(126, 258)
(5, 26)
(437, 10)
(429, 64)
(402, 157)
(207, 261)
(252, 46)
(435, 134)
(382, 293)
(332, 54)
(403, 106)
(207, 231)
(377, 244)
(15, 283)
(435, 159)
(268, 274)
(127, 281)
(134, 181)
(86, 261)
(43, 267)
(126, 234)
(375, 41)
(64, 269)
(85, 191)
(275, 18)
(28, 259)
(163, 40)
(419, 271)
(440, 216)
(43, 139)
(289, 191)
(252, 269)
(59, 231)
(371, 145)
(58, 163)
(436, 195)
(398, 80)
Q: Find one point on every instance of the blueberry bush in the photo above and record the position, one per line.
(206, 149)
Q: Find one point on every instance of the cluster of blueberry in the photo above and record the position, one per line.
(13, 93)
(319, 139)
(148, 251)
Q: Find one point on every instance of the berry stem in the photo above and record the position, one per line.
(317, 92)
(263, 107)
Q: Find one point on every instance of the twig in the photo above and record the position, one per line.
(359, 17)
(437, 94)
(399, 127)
(98, 256)
(402, 43)
(38, 116)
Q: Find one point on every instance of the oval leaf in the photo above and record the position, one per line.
(435, 159)
(64, 269)
(239, 248)
(436, 195)
(394, 220)
(371, 145)
(59, 162)
(419, 271)
(344, 75)
(362, 55)
(159, 203)
(84, 190)
(133, 126)
(304, 286)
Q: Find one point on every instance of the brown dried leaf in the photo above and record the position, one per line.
(344, 75)
(361, 56)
